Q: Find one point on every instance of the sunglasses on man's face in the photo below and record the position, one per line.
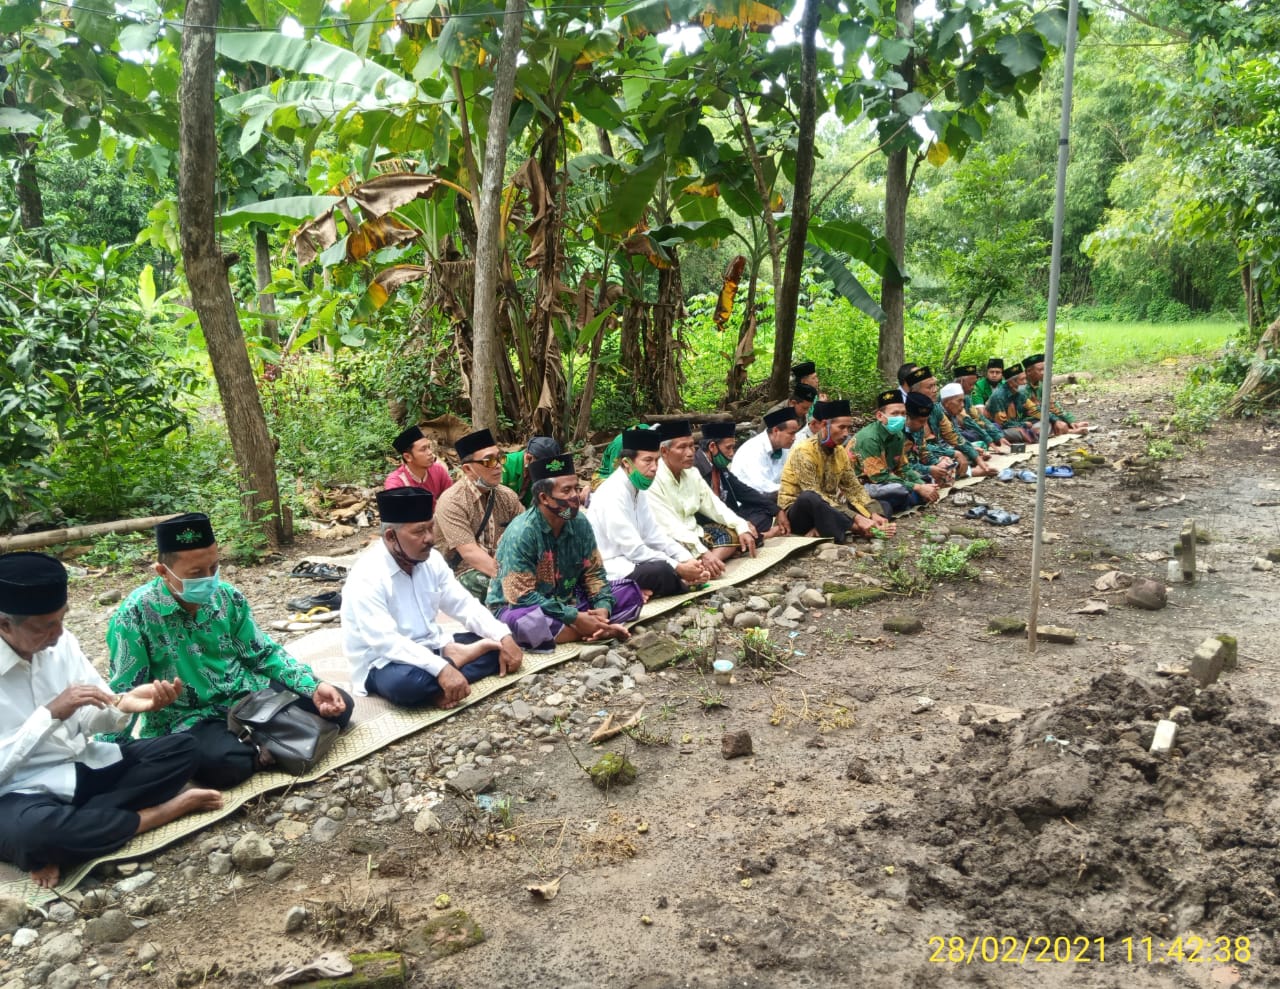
(486, 462)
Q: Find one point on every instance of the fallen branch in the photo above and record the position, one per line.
(51, 537)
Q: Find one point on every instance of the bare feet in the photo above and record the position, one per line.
(46, 877)
(187, 802)
(462, 654)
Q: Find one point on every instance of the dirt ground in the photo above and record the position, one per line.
(897, 825)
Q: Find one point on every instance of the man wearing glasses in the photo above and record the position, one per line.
(472, 515)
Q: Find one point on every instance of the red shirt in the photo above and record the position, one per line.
(437, 480)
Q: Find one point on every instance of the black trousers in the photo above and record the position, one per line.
(811, 511)
(225, 761)
(658, 576)
(39, 829)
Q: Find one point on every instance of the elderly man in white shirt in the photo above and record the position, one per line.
(65, 797)
(759, 461)
(393, 594)
(686, 508)
(631, 542)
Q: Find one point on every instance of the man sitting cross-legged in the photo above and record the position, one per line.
(716, 458)
(820, 487)
(685, 506)
(974, 424)
(393, 594)
(948, 421)
(551, 584)
(1033, 391)
(188, 624)
(879, 454)
(64, 796)
(1006, 407)
(630, 541)
(473, 514)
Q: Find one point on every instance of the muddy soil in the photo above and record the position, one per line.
(903, 791)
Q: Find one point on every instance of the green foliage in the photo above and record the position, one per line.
(85, 379)
(950, 561)
(331, 419)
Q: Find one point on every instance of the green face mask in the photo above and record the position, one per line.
(720, 460)
(639, 480)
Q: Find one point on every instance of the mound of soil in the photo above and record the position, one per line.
(1065, 823)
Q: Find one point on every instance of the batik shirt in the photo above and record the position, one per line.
(219, 653)
(1003, 407)
(540, 569)
(938, 441)
(948, 430)
(983, 424)
(1056, 412)
(880, 456)
(829, 473)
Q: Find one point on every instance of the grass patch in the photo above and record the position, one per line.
(1086, 346)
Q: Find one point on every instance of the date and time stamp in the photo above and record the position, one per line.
(993, 949)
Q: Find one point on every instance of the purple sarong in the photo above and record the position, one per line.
(533, 628)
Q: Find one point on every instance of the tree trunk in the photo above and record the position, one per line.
(743, 355)
(784, 320)
(30, 201)
(892, 294)
(662, 350)
(262, 272)
(1255, 379)
(207, 275)
(484, 410)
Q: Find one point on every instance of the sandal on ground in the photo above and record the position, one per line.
(319, 571)
(977, 511)
(1059, 471)
(1005, 475)
(998, 516)
(1027, 475)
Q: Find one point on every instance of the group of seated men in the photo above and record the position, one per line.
(86, 763)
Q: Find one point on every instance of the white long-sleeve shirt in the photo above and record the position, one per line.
(756, 467)
(389, 616)
(676, 501)
(626, 531)
(37, 752)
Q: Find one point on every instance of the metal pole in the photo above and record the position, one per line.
(1055, 274)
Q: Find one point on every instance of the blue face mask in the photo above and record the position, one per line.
(197, 590)
(896, 424)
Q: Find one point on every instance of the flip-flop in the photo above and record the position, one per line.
(1059, 471)
(1005, 475)
(1027, 475)
(999, 516)
(977, 511)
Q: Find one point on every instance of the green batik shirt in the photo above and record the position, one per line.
(513, 476)
(982, 390)
(537, 568)
(937, 442)
(993, 432)
(879, 456)
(1056, 412)
(219, 653)
(998, 403)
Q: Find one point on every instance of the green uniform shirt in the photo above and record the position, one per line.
(982, 390)
(219, 653)
(513, 476)
(881, 458)
(993, 432)
(536, 567)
